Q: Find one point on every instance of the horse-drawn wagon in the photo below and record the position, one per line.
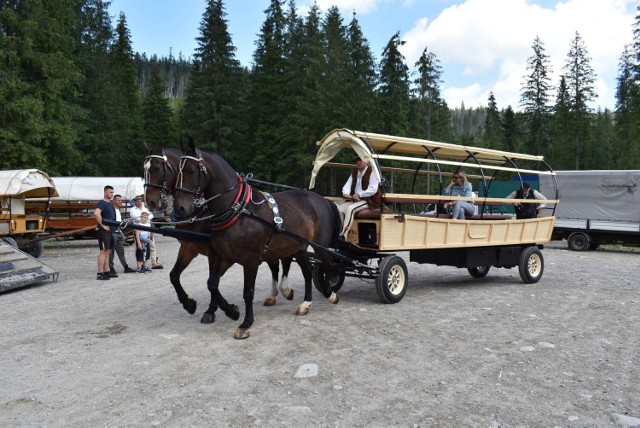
(217, 212)
(488, 238)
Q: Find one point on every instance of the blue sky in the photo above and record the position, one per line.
(482, 45)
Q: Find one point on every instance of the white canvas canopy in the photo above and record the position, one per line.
(27, 183)
(92, 188)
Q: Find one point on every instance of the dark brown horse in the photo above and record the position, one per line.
(249, 227)
(161, 171)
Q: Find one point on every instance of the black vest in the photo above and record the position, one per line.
(525, 210)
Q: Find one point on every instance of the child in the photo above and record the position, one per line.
(143, 238)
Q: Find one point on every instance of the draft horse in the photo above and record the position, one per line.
(249, 226)
(160, 174)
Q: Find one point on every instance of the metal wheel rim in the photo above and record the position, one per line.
(534, 265)
(396, 280)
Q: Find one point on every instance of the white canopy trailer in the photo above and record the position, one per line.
(476, 243)
(71, 213)
(17, 227)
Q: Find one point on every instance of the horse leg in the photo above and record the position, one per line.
(271, 299)
(284, 282)
(185, 256)
(244, 330)
(216, 270)
(305, 266)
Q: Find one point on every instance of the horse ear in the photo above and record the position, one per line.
(192, 144)
(145, 146)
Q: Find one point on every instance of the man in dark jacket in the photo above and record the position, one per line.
(527, 210)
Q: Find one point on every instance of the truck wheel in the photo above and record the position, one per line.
(479, 272)
(334, 279)
(10, 241)
(392, 280)
(579, 241)
(531, 265)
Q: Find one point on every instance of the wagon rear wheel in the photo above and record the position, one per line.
(392, 280)
(531, 265)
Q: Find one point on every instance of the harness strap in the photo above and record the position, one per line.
(229, 217)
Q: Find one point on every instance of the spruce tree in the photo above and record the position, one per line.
(580, 79)
(214, 112)
(156, 112)
(393, 104)
(492, 132)
(534, 100)
(39, 107)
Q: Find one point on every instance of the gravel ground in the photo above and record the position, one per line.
(456, 351)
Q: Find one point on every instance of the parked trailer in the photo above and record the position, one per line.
(598, 207)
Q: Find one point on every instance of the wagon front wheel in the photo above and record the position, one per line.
(531, 265)
(479, 272)
(332, 280)
(392, 280)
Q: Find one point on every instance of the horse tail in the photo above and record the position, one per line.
(337, 224)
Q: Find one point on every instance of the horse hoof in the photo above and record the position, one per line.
(269, 301)
(289, 295)
(233, 312)
(302, 311)
(190, 306)
(334, 298)
(208, 318)
(242, 333)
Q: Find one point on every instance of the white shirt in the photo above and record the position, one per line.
(369, 191)
(135, 213)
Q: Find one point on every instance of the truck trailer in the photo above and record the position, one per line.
(596, 207)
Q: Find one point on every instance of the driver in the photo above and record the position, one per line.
(361, 190)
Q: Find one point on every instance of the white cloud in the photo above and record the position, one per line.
(483, 45)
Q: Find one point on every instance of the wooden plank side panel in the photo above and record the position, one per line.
(425, 233)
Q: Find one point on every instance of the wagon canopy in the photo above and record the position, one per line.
(372, 147)
(28, 183)
(92, 188)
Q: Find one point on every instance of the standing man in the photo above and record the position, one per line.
(361, 190)
(118, 238)
(105, 211)
(135, 212)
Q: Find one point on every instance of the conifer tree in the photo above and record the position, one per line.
(123, 143)
(492, 133)
(156, 112)
(562, 147)
(39, 107)
(268, 89)
(580, 79)
(534, 100)
(394, 89)
(432, 119)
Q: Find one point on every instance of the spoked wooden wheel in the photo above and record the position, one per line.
(531, 265)
(392, 281)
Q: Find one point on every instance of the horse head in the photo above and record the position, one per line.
(160, 173)
(201, 178)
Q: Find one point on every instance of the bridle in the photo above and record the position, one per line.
(223, 219)
(164, 190)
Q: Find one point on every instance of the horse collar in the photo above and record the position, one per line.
(231, 215)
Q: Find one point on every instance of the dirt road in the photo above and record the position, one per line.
(456, 351)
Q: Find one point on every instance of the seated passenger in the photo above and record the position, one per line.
(361, 190)
(526, 210)
(459, 186)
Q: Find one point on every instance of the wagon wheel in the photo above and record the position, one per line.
(479, 272)
(33, 247)
(531, 265)
(392, 280)
(334, 279)
(579, 241)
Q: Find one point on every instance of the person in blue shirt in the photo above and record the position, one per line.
(459, 186)
(105, 211)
